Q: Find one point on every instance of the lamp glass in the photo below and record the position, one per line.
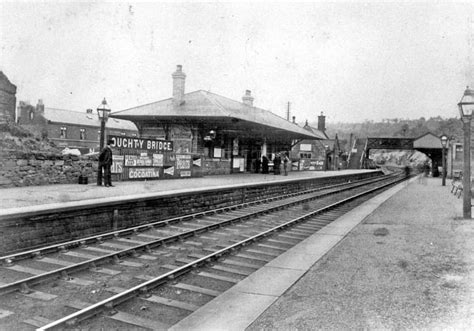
(103, 110)
(466, 105)
(444, 141)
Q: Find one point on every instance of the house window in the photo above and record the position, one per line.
(32, 115)
(63, 133)
(82, 134)
(305, 155)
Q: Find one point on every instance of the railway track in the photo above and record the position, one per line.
(152, 276)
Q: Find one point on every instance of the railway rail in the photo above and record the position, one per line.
(208, 252)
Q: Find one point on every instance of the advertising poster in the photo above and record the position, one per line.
(117, 164)
(158, 160)
(183, 162)
(131, 160)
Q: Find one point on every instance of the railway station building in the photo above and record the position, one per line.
(205, 134)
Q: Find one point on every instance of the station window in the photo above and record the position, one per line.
(82, 134)
(63, 133)
(305, 155)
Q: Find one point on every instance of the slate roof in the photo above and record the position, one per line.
(427, 141)
(316, 131)
(83, 118)
(206, 106)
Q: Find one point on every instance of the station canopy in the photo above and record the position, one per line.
(212, 111)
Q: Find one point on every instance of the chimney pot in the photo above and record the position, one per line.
(248, 98)
(40, 106)
(294, 119)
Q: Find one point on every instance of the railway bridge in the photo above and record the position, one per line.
(429, 144)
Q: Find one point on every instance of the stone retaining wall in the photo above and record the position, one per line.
(29, 230)
(19, 168)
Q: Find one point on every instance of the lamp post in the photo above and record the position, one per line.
(466, 106)
(103, 111)
(444, 142)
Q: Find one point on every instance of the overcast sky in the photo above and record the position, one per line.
(352, 60)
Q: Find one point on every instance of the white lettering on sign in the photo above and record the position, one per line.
(159, 145)
(185, 173)
(139, 143)
(136, 173)
(131, 160)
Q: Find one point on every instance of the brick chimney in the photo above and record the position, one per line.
(322, 122)
(248, 98)
(179, 78)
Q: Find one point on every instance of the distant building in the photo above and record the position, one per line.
(318, 154)
(68, 128)
(7, 99)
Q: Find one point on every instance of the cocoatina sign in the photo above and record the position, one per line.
(141, 144)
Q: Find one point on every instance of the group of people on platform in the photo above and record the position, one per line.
(280, 162)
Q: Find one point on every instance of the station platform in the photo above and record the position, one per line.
(20, 198)
(403, 260)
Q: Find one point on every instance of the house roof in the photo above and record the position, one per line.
(86, 119)
(215, 110)
(427, 141)
(316, 131)
(6, 85)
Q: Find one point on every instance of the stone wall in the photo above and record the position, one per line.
(7, 99)
(27, 230)
(20, 168)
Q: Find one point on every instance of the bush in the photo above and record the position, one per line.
(15, 130)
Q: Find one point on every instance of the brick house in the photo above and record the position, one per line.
(71, 129)
(318, 154)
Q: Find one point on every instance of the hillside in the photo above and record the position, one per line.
(17, 138)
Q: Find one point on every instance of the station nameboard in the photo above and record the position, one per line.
(141, 144)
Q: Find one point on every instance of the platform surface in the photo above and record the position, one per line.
(28, 196)
(403, 260)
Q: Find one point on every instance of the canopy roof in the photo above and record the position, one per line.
(219, 113)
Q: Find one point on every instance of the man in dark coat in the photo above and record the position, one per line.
(105, 163)
(276, 164)
(264, 164)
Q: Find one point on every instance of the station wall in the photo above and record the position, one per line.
(28, 230)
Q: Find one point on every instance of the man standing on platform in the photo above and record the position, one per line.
(285, 163)
(276, 164)
(105, 164)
